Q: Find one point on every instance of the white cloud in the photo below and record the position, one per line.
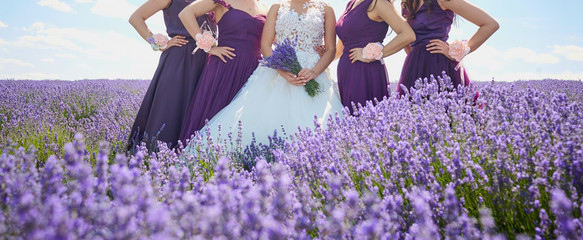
(83, 1)
(84, 66)
(571, 52)
(123, 10)
(512, 76)
(493, 59)
(11, 62)
(530, 56)
(47, 42)
(50, 60)
(3, 25)
(66, 55)
(35, 27)
(489, 62)
(56, 4)
(92, 51)
(113, 8)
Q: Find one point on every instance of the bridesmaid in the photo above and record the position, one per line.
(363, 22)
(429, 54)
(230, 63)
(162, 111)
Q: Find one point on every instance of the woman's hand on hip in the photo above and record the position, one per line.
(176, 41)
(436, 46)
(222, 53)
(356, 55)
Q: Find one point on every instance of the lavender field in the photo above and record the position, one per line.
(430, 166)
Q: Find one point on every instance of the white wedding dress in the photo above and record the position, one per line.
(267, 102)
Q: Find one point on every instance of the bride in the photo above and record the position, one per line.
(274, 99)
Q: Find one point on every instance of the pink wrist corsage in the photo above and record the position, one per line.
(373, 50)
(158, 41)
(459, 49)
(205, 41)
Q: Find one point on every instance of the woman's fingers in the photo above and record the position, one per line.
(228, 52)
(222, 58)
(436, 46)
(320, 50)
(222, 53)
(355, 54)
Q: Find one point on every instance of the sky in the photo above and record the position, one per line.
(92, 39)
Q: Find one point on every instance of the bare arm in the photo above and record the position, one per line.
(267, 39)
(329, 41)
(339, 49)
(486, 23)
(268, 34)
(385, 11)
(198, 8)
(407, 49)
(405, 35)
(149, 8)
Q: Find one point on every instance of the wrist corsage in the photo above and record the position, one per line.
(158, 41)
(205, 41)
(459, 49)
(373, 50)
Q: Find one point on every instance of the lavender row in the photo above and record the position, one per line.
(47, 114)
(431, 165)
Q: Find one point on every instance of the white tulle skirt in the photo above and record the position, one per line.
(267, 102)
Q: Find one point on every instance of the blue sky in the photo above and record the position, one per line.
(90, 39)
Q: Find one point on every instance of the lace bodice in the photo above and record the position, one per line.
(307, 27)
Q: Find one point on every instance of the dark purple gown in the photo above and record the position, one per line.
(166, 101)
(429, 24)
(220, 82)
(359, 82)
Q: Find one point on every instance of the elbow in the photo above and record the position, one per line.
(265, 50)
(492, 26)
(182, 15)
(411, 37)
(132, 19)
(495, 26)
(332, 50)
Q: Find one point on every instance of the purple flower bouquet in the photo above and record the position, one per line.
(284, 58)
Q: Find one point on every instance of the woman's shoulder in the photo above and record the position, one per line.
(274, 8)
(318, 3)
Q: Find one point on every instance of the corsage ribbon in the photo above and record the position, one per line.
(458, 50)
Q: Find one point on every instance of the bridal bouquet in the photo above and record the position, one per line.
(284, 58)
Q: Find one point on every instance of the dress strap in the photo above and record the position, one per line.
(223, 3)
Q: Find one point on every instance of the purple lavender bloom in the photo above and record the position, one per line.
(433, 165)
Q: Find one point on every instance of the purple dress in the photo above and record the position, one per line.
(166, 101)
(359, 82)
(220, 82)
(429, 24)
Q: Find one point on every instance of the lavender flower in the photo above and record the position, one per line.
(284, 58)
(432, 165)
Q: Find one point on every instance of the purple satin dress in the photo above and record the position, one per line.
(166, 101)
(220, 82)
(428, 24)
(359, 82)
